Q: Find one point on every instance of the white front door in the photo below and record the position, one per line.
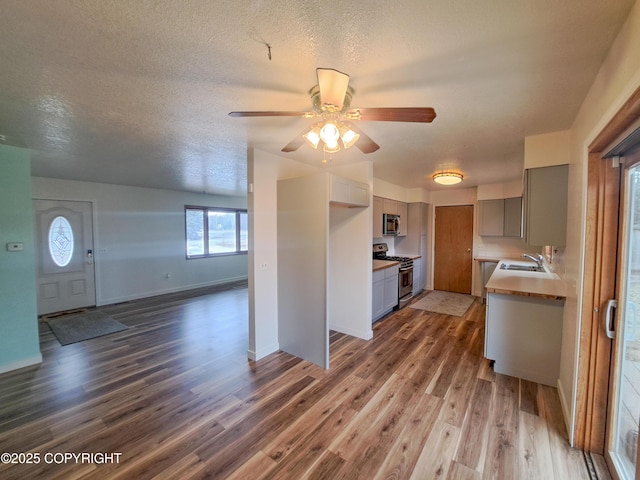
(64, 251)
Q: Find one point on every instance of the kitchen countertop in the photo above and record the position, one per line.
(382, 264)
(531, 284)
(485, 258)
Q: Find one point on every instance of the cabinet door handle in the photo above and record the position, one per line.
(608, 318)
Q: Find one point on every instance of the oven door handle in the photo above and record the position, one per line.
(406, 269)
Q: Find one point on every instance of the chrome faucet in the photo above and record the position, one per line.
(539, 259)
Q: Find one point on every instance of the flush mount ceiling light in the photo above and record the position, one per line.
(447, 178)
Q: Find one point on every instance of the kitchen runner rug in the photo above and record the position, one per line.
(83, 326)
(449, 303)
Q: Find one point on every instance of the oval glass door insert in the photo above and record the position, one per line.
(61, 241)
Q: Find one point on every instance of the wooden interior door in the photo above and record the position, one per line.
(453, 246)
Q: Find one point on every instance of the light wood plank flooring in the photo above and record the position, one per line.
(176, 396)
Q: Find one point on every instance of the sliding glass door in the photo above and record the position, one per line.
(624, 409)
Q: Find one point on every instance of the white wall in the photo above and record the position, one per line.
(382, 188)
(547, 149)
(263, 172)
(139, 238)
(350, 260)
(618, 78)
(500, 190)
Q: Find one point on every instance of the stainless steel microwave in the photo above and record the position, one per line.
(390, 224)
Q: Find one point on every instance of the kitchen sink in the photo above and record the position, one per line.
(521, 268)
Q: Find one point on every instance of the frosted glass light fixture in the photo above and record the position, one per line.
(447, 178)
(348, 136)
(330, 134)
(312, 137)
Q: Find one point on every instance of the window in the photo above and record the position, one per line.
(61, 241)
(215, 231)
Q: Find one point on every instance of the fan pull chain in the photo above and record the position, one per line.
(324, 157)
(268, 50)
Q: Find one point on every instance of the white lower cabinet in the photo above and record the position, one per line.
(523, 336)
(378, 296)
(418, 276)
(384, 292)
(486, 268)
(390, 291)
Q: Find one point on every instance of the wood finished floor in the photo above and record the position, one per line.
(177, 397)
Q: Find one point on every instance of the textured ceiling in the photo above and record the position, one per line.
(138, 92)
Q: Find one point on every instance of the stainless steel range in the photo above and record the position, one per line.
(405, 277)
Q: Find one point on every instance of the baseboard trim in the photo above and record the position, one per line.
(263, 352)
(128, 298)
(566, 412)
(525, 374)
(27, 362)
(365, 335)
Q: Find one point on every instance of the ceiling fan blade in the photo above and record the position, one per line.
(364, 143)
(268, 114)
(399, 114)
(294, 144)
(333, 86)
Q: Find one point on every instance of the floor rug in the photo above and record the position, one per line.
(448, 303)
(78, 327)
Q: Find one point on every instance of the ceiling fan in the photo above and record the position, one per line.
(331, 99)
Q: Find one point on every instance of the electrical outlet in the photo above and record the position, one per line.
(263, 266)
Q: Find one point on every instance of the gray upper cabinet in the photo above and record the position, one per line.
(513, 217)
(377, 217)
(491, 217)
(386, 205)
(546, 205)
(402, 211)
(500, 217)
(389, 206)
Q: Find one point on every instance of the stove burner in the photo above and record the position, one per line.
(380, 253)
(395, 259)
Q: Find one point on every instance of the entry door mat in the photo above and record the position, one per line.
(83, 326)
(449, 303)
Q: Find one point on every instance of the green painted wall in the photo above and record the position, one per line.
(19, 344)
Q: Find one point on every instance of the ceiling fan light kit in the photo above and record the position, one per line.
(333, 86)
(447, 178)
(348, 136)
(331, 100)
(329, 134)
(312, 137)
